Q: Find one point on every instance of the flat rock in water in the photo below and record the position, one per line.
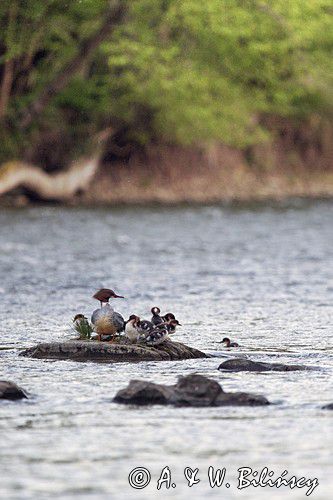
(82, 350)
(242, 364)
(9, 390)
(192, 390)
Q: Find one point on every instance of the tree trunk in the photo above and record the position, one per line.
(62, 78)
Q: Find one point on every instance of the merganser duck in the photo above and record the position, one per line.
(105, 294)
(227, 342)
(156, 337)
(172, 325)
(107, 321)
(131, 328)
(78, 318)
(168, 317)
(156, 318)
(82, 326)
(144, 326)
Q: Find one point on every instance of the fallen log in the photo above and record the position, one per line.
(61, 186)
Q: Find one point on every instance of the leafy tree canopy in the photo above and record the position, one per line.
(185, 72)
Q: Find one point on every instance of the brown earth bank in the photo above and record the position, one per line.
(297, 162)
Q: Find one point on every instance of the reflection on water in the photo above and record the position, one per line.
(261, 276)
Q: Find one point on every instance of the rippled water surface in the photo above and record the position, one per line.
(260, 275)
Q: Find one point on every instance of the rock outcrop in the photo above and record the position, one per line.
(81, 350)
(242, 364)
(192, 390)
(9, 390)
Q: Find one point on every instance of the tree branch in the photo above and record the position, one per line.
(62, 78)
(61, 186)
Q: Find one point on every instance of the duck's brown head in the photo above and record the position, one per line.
(105, 294)
(226, 341)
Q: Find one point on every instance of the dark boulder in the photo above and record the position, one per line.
(192, 390)
(240, 399)
(195, 390)
(9, 390)
(242, 364)
(141, 393)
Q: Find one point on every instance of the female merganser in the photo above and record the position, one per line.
(131, 328)
(107, 321)
(156, 318)
(105, 294)
(227, 342)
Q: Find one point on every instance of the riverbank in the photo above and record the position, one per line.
(297, 163)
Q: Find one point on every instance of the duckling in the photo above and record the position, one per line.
(78, 318)
(172, 325)
(131, 329)
(227, 342)
(168, 317)
(105, 294)
(144, 326)
(156, 318)
(155, 337)
(82, 326)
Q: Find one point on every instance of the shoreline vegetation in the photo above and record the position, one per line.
(173, 175)
(165, 102)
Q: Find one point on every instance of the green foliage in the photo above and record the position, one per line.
(83, 328)
(208, 69)
(181, 71)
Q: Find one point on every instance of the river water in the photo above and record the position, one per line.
(261, 275)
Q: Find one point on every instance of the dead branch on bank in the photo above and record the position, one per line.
(57, 187)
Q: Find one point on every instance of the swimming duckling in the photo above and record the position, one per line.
(107, 321)
(131, 328)
(105, 294)
(227, 342)
(156, 318)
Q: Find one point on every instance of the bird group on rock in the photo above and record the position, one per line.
(108, 323)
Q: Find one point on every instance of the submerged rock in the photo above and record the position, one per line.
(192, 390)
(9, 390)
(81, 350)
(242, 364)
